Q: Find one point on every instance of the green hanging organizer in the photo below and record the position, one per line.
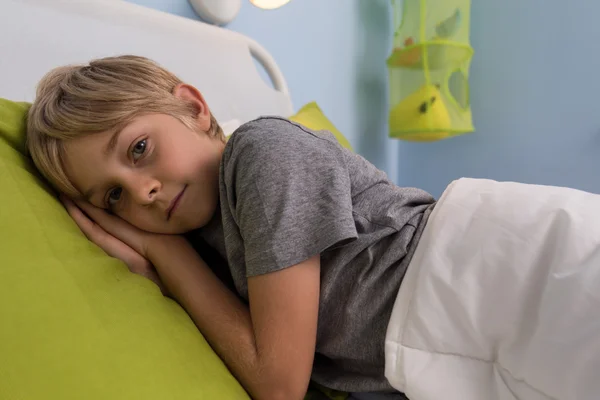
(429, 70)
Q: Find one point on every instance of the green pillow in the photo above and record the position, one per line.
(75, 323)
(311, 116)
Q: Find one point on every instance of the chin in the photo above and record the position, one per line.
(172, 231)
(202, 217)
(197, 223)
(163, 229)
(179, 224)
(187, 224)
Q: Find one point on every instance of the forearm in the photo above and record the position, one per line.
(221, 317)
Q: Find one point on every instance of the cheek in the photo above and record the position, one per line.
(149, 222)
(177, 165)
(144, 218)
(139, 219)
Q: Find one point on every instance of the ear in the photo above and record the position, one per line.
(190, 94)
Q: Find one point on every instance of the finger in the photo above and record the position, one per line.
(66, 202)
(114, 225)
(97, 214)
(96, 234)
(92, 230)
(110, 223)
(87, 226)
(111, 245)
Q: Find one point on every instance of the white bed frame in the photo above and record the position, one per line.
(37, 35)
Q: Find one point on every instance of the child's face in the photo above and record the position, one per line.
(160, 175)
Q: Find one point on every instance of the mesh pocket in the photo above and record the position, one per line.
(428, 71)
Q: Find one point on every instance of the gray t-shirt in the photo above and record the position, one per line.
(288, 193)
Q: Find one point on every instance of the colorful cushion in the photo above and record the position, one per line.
(313, 117)
(76, 324)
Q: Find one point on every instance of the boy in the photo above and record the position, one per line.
(316, 239)
(318, 242)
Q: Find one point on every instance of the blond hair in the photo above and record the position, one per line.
(104, 95)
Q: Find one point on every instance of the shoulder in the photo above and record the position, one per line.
(266, 135)
(276, 148)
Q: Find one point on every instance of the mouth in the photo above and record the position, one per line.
(175, 203)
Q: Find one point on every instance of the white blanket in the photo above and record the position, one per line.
(502, 298)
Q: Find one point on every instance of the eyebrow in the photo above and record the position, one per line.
(110, 147)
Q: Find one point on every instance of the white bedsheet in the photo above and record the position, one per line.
(502, 298)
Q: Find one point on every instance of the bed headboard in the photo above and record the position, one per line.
(37, 35)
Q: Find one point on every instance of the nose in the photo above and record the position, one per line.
(144, 191)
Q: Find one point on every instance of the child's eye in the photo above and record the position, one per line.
(114, 196)
(139, 149)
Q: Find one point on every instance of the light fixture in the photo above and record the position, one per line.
(222, 12)
(268, 4)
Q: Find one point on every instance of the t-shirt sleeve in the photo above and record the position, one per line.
(289, 192)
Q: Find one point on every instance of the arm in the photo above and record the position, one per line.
(113, 246)
(269, 347)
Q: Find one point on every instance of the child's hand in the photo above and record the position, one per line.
(115, 236)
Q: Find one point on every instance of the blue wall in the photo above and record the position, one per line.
(534, 86)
